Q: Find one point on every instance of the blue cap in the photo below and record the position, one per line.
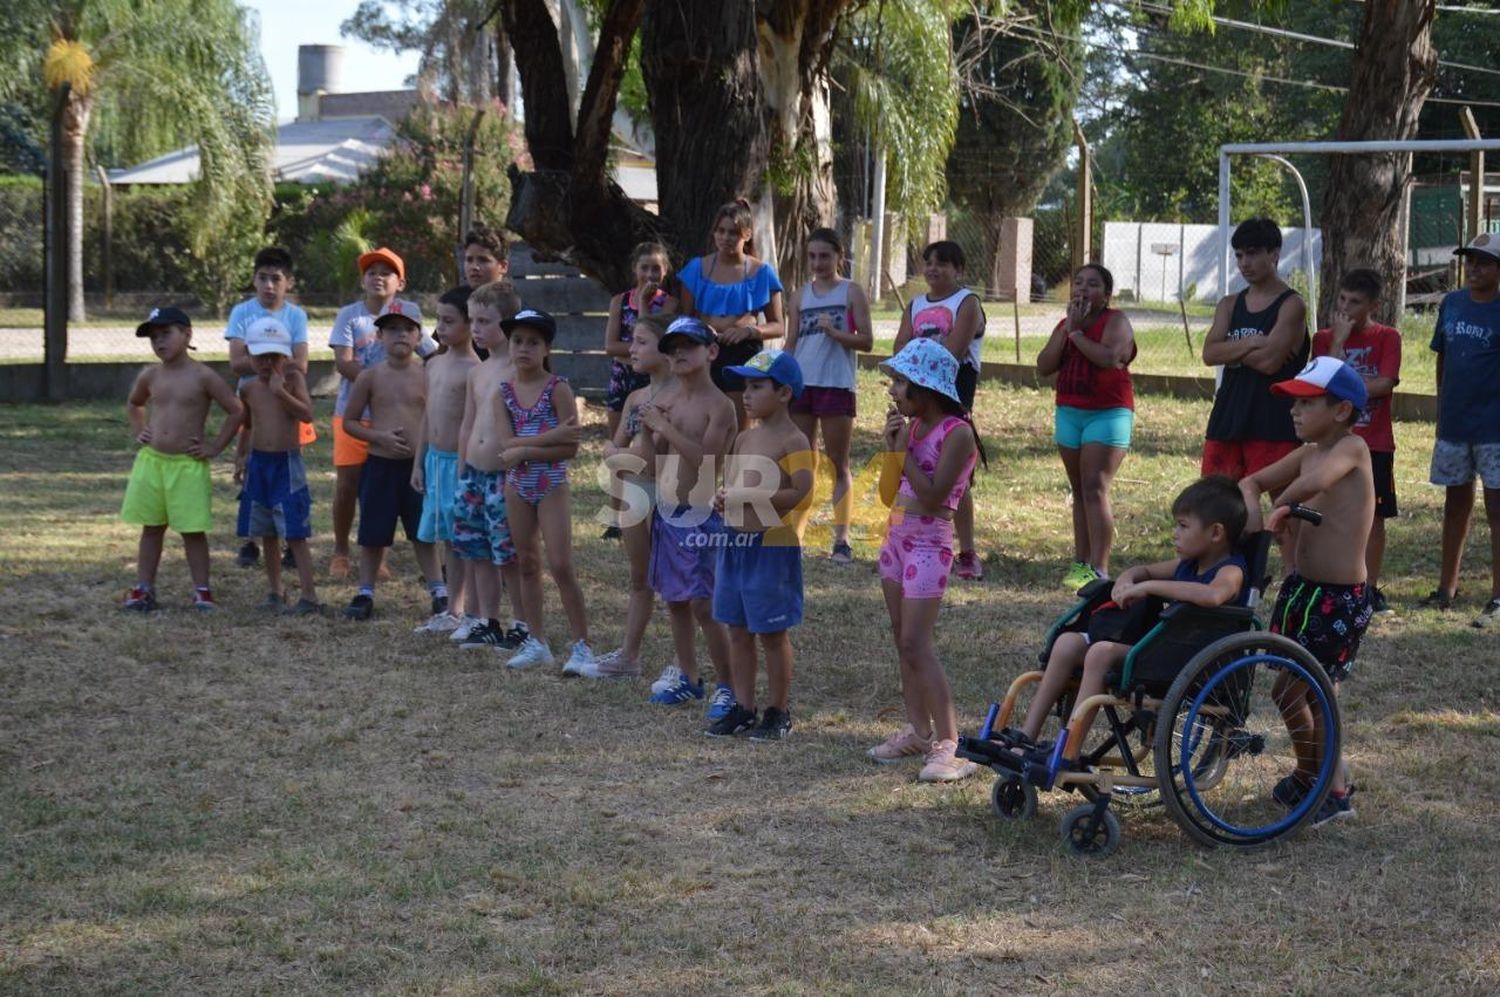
(1327, 376)
(686, 327)
(777, 365)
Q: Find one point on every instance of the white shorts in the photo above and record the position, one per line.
(1456, 463)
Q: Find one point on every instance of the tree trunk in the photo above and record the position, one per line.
(75, 124)
(1392, 73)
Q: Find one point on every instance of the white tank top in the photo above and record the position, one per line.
(825, 363)
(935, 319)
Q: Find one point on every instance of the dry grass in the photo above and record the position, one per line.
(240, 804)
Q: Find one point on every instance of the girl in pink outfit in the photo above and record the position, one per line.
(931, 449)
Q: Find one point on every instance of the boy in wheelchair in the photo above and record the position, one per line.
(1210, 516)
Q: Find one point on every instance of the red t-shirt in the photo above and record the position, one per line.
(1374, 351)
(1083, 384)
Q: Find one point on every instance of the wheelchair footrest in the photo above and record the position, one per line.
(1032, 762)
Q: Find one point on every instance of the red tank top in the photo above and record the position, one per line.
(1081, 384)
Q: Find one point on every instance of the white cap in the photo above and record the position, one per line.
(267, 335)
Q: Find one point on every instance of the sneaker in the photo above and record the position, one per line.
(1333, 808)
(485, 636)
(249, 555)
(273, 603)
(1290, 791)
(611, 533)
(203, 601)
(944, 765)
(139, 600)
(580, 659)
(613, 665)
(967, 565)
(531, 653)
(720, 706)
(338, 567)
(901, 746)
(466, 626)
(438, 623)
(682, 692)
(775, 725)
(1378, 604)
(306, 607)
(1489, 615)
(287, 560)
(670, 676)
(440, 605)
(842, 554)
(1438, 599)
(737, 721)
(517, 635)
(361, 607)
(1078, 575)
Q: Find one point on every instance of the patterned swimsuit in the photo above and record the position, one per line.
(534, 479)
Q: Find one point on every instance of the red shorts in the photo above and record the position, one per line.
(1237, 458)
(823, 403)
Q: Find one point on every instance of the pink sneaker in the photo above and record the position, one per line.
(899, 747)
(967, 565)
(943, 765)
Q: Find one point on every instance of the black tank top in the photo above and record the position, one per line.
(1244, 408)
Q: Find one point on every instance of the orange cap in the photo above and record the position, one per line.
(382, 255)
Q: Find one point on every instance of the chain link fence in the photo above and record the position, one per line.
(22, 241)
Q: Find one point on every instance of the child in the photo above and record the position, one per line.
(538, 433)
(395, 393)
(827, 321)
(629, 456)
(273, 282)
(486, 256)
(931, 449)
(169, 481)
(1467, 342)
(481, 531)
(951, 314)
(275, 501)
(758, 578)
(1331, 473)
(356, 346)
(690, 431)
(1374, 350)
(650, 265)
(435, 469)
(1210, 517)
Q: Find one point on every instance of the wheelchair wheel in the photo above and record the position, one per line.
(1086, 833)
(1222, 745)
(1126, 797)
(1012, 799)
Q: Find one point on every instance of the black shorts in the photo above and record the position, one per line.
(967, 382)
(733, 355)
(385, 496)
(1326, 619)
(1383, 466)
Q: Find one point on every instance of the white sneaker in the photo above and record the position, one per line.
(580, 660)
(613, 665)
(438, 623)
(465, 627)
(532, 653)
(670, 676)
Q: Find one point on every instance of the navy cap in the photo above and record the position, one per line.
(689, 328)
(160, 317)
(778, 365)
(533, 317)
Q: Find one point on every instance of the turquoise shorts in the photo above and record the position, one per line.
(1109, 427)
(440, 484)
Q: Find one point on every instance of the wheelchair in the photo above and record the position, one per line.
(1190, 722)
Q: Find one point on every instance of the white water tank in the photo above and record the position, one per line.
(320, 70)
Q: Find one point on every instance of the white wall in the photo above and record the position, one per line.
(1153, 277)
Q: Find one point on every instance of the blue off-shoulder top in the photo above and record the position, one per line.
(746, 296)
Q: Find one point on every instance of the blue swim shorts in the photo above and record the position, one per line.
(275, 500)
(683, 554)
(439, 485)
(758, 586)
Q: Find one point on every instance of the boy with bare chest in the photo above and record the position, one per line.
(690, 434)
(1324, 602)
(169, 482)
(274, 500)
(395, 393)
(481, 530)
(435, 470)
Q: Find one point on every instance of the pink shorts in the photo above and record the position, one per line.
(918, 553)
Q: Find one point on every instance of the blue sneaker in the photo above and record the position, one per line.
(721, 704)
(680, 692)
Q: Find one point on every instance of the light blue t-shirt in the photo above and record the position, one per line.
(745, 296)
(354, 327)
(248, 311)
(1468, 337)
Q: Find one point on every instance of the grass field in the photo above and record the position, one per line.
(243, 804)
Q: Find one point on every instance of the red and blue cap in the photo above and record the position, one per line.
(777, 365)
(1326, 376)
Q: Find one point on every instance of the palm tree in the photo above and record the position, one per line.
(144, 78)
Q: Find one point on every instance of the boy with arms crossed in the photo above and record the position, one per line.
(395, 393)
(1324, 603)
(758, 579)
(169, 483)
(274, 500)
(691, 432)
